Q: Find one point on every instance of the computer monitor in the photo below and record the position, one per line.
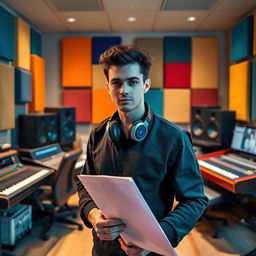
(244, 139)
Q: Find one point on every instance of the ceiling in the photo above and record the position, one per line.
(152, 15)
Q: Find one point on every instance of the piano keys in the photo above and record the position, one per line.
(17, 180)
(229, 170)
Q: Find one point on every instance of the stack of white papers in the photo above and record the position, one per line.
(119, 197)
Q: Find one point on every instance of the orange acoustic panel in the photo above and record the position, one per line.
(23, 44)
(38, 84)
(81, 100)
(102, 106)
(98, 77)
(154, 46)
(77, 62)
(177, 105)
(254, 35)
(204, 73)
(6, 97)
(239, 90)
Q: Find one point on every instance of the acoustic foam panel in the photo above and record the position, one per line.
(98, 77)
(23, 86)
(23, 44)
(205, 59)
(177, 75)
(154, 97)
(241, 39)
(102, 106)
(239, 99)
(253, 91)
(177, 49)
(35, 42)
(101, 44)
(38, 84)
(254, 35)
(204, 97)
(7, 120)
(81, 100)
(177, 105)
(7, 35)
(154, 46)
(77, 62)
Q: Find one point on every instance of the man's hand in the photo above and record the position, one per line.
(106, 229)
(132, 250)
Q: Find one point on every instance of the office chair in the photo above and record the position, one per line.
(214, 199)
(51, 199)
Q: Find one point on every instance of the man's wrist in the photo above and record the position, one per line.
(91, 214)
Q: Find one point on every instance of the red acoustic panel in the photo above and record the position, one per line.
(202, 97)
(177, 75)
(81, 100)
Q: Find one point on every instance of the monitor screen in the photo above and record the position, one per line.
(244, 139)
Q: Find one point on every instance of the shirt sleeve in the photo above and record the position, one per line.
(85, 201)
(189, 189)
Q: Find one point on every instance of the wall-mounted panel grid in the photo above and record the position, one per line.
(23, 86)
(98, 77)
(35, 42)
(204, 97)
(154, 97)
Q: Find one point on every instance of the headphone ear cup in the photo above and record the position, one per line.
(114, 131)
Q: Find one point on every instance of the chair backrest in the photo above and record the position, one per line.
(64, 185)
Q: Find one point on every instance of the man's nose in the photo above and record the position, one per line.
(125, 88)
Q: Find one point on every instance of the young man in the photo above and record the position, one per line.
(136, 142)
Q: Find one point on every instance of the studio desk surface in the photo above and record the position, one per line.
(229, 170)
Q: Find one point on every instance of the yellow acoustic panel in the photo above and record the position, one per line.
(6, 97)
(239, 90)
(38, 84)
(204, 74)
(23, 44)
(177, 105)
(155, 48)
(77, 62)
(102, 106)
(254, 35)
(98, 78)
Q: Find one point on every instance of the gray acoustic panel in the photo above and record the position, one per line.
(76, 5)
(183, 5)
(5, 137)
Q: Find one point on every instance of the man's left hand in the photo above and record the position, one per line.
(132, 250)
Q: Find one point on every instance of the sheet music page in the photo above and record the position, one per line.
(119, 197)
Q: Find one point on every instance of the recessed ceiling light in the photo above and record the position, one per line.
(131, 19)
(71, 19)
(191, 18)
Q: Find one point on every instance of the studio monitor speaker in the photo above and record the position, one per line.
(211, 126)
(37, 129)
(66, 123)
(219, 127)
(198, 121)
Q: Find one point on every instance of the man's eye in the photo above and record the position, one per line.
(133, 82)
(116, 84)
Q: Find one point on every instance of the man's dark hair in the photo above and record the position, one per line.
(121, 55)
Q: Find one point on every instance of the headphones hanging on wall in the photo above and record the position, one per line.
(137, 130)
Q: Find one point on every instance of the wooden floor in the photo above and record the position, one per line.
(235, 239)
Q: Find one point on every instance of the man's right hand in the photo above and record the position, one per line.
(106, 229)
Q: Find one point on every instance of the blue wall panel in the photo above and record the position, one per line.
(23, 86)
(35, 42)
(242, 40)
(253, 91)
(7, 35)
(154, 97)
(101, 44)
(177, 49)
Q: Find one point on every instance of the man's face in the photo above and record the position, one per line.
(126, 86)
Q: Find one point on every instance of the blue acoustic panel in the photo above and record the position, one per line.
(101, 44)
(177, 49)
(23, 85)
(253, 91)
(154, 98)
(35, 42)
(7, 35)
(242, 40)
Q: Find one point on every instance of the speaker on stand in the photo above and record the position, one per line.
(37, 130)
(66, 124)
(198, 122)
